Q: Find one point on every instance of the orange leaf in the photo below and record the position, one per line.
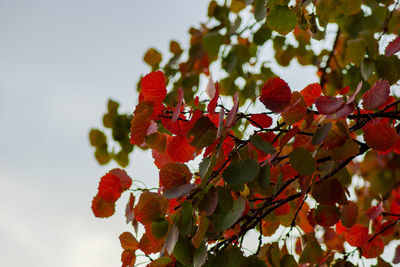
(128, 241)
(174, 174)
(102, 208)
(150, 245)
(310, 93)
(140, 122)
(150, 207)
(128, 258)
(153, 88)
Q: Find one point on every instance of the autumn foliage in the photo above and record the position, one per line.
(317, 169)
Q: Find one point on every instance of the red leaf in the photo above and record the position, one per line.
(102, 208)
(113, 184)
(261, 120)
(374, 212)
(213, 103)
(326, 215)
(396, 258)
(349, 214)
(153, 88)
(140, 123)
(310, 93)
(128, 241)
(150, 207)
(275, 94)
(177, 109)
(379, 135)
(230, 121)
(393, 47)
(174, 174)
(179, 149)
(376, 95)
(181, 127)
(357, 236)
(289, 135)
(129, 209)
(373, 249)
(328, 104)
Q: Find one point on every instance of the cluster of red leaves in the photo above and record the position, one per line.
(311, 136)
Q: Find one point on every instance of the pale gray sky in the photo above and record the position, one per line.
(60, 62)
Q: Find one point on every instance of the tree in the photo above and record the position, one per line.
(316, 169)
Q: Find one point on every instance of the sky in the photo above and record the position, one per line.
(60, 62)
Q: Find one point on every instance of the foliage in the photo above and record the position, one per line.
(323, 161)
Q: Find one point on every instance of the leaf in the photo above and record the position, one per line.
(240, 171)
(345, 151)
(231, 217)
(396, 258)
(179, 149)
(212, 42)
(275, 95)
(172, 238)
(376, 95)
(296, 111)
(282, 19)
(197, 240)
(128, 241)
(183, 250)
(357, 236)
(152, 57)
(289, 135)
(177, 109)
(270, 254)
(326, 215)
(259, 143)
(328, 104)
(261, 120)
(355, 51)
(288, 261)
(373, 249)
(129, 209)
(374, 212)
(157, 141)
(203, 133)
(179, 191)
(260, 10)
(128, 258)
(160, 262)
(312, 252)
(113, 184)
(153, 88)
(200, 256)
(310, 93)
(393, 47)
(210, 201)
(213, 102)
(328, 191)
(211, 89)
(379, 135)
(102, 208)
(151, 206)
(349, 214)
(302, 161)
(174, 174)
(230, 120)
(97, 138)
(320, 134)
(159, 228)
(232, 257)
(140, 123)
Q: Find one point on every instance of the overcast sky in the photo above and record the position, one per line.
(60, 62)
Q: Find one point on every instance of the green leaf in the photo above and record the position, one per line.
(282, 19)
(320, 134)
(288, 261)
(355, 51)
(159, 228)
(262, 35)
(183, 250)
(97, 138)
(260, 10)
(253, 261)
(312, 253)
(259, 143)
(302, 161)
(225, 221)
(102, 155)
(211, 43)
(263, 177)
(203, 133)
(152, 57)
(349, 7)
(232, 257)
(184, 221)
(241, 171)
(122, 158)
